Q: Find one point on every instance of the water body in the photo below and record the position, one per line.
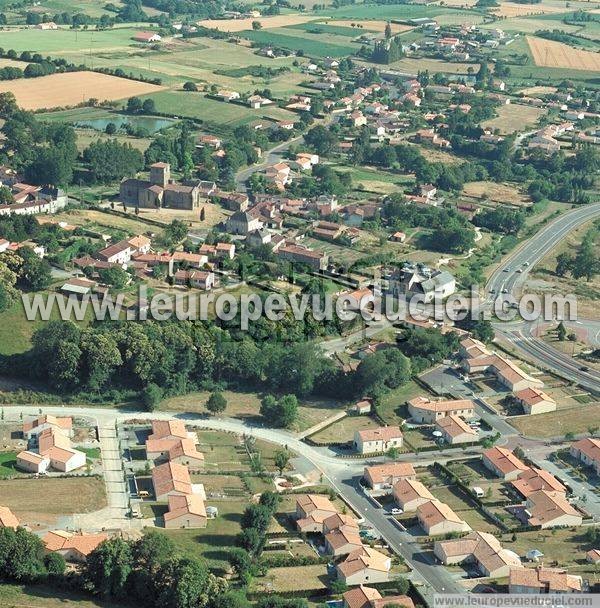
(152, 124)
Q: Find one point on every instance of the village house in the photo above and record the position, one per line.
(171, 442)
(431, 138)
(422, 409)
(588, 451)
(535, 401)
(365, 565)
(418, 280)
(342, 541)
(542, 580)
(438, 518)
(503, 463)
(384, 476)
(455, 430)
(302, 255)
(368, 597)
(32, 428)
(381, 439)
(551, 509)
(73, 547)
(534, 479)
(147, 37)
(256, 101)
(119, 253)
(32, 462)
(171, 479)
(410, 494)
(226, 95)
(54, 444)
(8, 519)
(311, 512)
(199, 279)
(242, 222)
(593, 556)
(479, 548)
(186, 511)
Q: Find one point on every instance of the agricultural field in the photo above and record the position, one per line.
(239, 25)
(514, 117)
(503, 193)
(72, 88)
(371, 25)
(513, 9)
(548, 53)
(42, 501)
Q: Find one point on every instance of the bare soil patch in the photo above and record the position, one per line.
(501, 193)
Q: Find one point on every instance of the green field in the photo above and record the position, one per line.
(7, 464)
(39, 596)
(394, 11)
(338, 30)
(313, 47)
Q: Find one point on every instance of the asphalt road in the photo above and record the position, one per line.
(511, 276)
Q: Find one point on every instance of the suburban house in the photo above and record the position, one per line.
(73, 547)
(593, 556)
(535, 401)
(455, 430)
(479, 548)
(365, 565)
(181, 450)
(337, 521)
(423, 409)
(367, 597)
(410, 494)
(343, 541)
(385, 476)
(54, 444)
(186, 511)
(588, 451)
(541, 580)
(419, 280)
(199, 279)
(548, 509)
(171, 479)
(438, 518)
(302, 255)
(7, 518)
(503, 463)
(311, 512)
(534, 479)
(378, 440)
(32, 428)
(32, 462)
(118, 253)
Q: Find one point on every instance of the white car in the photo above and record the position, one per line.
(396, 511)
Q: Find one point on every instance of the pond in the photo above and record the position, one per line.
(152, 124)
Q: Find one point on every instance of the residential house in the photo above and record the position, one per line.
(312, 510)
(171, 442)
(147, 37)
(32, 462)
(455, 430)
(119, 253)
(342, 541)
(186, 511)
(410, 494)
(422, 409)
(533, 480)
(73, 547)
(8, 519)
(535, 401)
(365, 565)
(593, 556)
(479, 548)
(170, 479)
(542, 580)
(548, 509)
(503, 463)
(199, 279)
(380, 439)
(364, 406)
(438, 518)
(242, 222)
(54, 444)
(431, 138)
(226, 95)
(419, 280)
(368, 597)
(398, 237)
(588, 451)
(32, 428)
(385, 476)
(302, 255)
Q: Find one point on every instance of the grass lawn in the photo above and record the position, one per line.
(393, 404)
(288, 579)
(344, 429)
(514, 117)
(558, 423)
(212, 542)
(39, 596)
(41, 501)
(7, 464)
(91, 453)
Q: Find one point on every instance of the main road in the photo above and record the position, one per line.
(510, 277)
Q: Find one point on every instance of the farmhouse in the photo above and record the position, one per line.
(385, 476)
(588, 451)
(365, 565)
(367, 597)
(32, 462)
(410, 494)
(438, 518)
(171, 479)
(503, 463)
(551, 509)
(455, 430)
(541, 580)
(302, 255)
(423, 409)
(7, 519)
(378, 440)
(479, 548)
(147, 37)
(535, 401)
(533, 480)
(593, 556)
(187, 511)
(311, 512)
(73, 547)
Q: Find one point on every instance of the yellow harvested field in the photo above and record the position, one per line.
(551, 54)
(514, 117)
(499, 193)
(12, 63)
(512, 9)
(367, 24)
(456, 3)
(536, 91)
(239, 25)
(72, 88)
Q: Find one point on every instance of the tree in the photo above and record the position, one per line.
(282, 458)
(256, 25)
(216, 403)
(338, 587)
(21, 555)
(111, 160)
(381, 371)
(108, 567)
(393, 453)
(184, 582)
(241, 563)
(152, 396)
(564, 264)
(388, 30)
(402, 586)
(270, 500)
(134, 105)
(561, 332)
(202, 214)
(257, 517)
(190, 86)
(115, 276)
(148, 106)
(280, 412)
(251, 540)
(55, 564)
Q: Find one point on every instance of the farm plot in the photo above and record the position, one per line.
(495, 192)
(239, 25)
(512, 9)
(369, 25)
(551, 54)
(315, 47)
(72, 88)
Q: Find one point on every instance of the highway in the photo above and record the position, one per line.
(510, 277)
